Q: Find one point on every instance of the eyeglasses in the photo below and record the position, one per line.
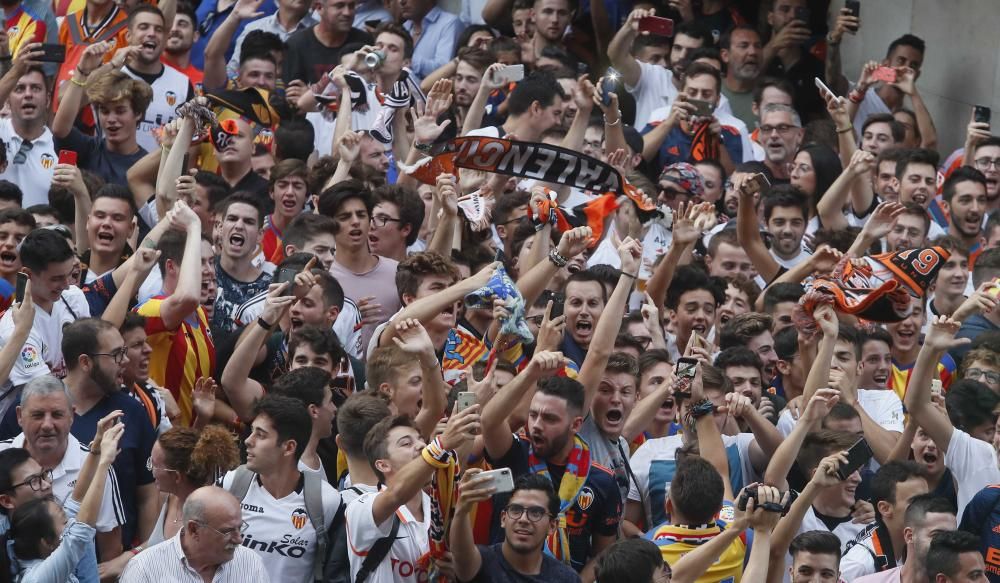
(781, 129)
(535, 513)
(229, 531)
(34, 482)
(672, 193)
(151, 468)
(536, 320)
(382, 220)
(977, 373)
(118, 354)
(645, 341)
(983, 164)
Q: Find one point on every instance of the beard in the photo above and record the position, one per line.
(106, 382)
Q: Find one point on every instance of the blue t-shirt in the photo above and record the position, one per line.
(597, 509)
(677, 145)
(210, 18)
(494, 568)
(981, 518)
(136, 446)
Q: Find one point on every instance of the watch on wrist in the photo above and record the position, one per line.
(423, 147)
(558, 259)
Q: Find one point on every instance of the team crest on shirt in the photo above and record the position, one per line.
(586, 498)
(30, 357)
(299, 517)
(171, 98)
(47, 161)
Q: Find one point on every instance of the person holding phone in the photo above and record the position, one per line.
(527, 520)
(786, 55)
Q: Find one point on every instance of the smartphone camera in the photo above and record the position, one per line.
(982, 114)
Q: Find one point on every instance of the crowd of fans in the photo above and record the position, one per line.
(275, 308)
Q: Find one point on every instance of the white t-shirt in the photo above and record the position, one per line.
(42, 351)
(655, 463)
(347, 326)
(790, 263)
(884, 407)
(352, 492)
(64, 480)
(845, 531)
(973, 464)
(171, 88)
(654, 89)
(34, 176)
(280, 530)
(400, 565)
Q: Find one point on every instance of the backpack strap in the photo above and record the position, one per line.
(242, 478)
(313, 493)
(378, 552)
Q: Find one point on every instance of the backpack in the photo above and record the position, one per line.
(313, 493)
(338, 569)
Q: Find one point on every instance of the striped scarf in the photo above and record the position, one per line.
(444, 494)
(577, 468)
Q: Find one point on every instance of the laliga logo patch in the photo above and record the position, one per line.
(171, 98)
(586, 498)
(728, 513)
(29, 355)
(299, 518)
(47, 161)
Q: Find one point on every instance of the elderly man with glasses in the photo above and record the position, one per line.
(206, 548)
(46, 417)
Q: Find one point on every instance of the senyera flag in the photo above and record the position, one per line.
(543, 162)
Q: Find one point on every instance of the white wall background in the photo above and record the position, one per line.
(961, 65)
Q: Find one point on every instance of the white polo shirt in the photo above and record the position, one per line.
(64, 480)
(34, 176)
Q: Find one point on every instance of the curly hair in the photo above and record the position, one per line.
(200, 456)
(116, 86)
(412, 270)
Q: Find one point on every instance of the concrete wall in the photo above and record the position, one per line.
(962, 63)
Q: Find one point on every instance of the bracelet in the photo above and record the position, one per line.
(856, 96)
(137, 550)
(263, 324)
(626, 274)
(423, 147)
(82, 84)
(849, 128)
(701, 408)
(616, 122)
(80, 71)
(558, 259)
(830, 41)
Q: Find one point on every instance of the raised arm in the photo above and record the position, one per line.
(446, 194)
(26, 58)
(975, 134)
(187, 296)
(830, 207)
(461, 428)
(603, 343)
(473, 490)
(496, 433)
(412, 339)
(845, 24)
(72, 94)
(142, 263)
(474, 117)
(784, 457)
(620, 47)
(241, 390)
(23, 314)
(877, 226)
(685, 233)
(647, 407)
(748, 232)
(680, 111)
(819, 373)
(940, 337)
(215, 51)
(881, 440)
(173, 166)
(572, 243)
(907, 83)
(583, 97)
(710, 444)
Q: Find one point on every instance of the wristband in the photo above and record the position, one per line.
(80, 71)
(856, 96)
(630, 275)
(82, 84)
(849, 128)
(610, 124)
(557, 259)
(263, 324)
(137, 550)
(436, 455)
(701, 408)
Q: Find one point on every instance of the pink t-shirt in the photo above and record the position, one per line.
(379, 282)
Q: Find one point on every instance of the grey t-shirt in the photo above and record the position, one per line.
(611, 455)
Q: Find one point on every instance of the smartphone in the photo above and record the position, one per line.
(510, 74)
(67, 157)
(607, 88)
(859, 455)
(503, 480)
(558, 300)
(982, 114)
(286, 275)
(686, 367)
(702, 108)
(53, 53)
(373, 23)
(885, 74)
(802, 13)
(757, 183)
(22, 282)
(656, 25)
(854, 6)
(822, 87)
(464, 400)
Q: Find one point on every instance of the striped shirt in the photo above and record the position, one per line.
(180, 356)
(166, 562)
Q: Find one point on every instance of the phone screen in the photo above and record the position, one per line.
(286, 275)
(859, 455)
(22, 283)
(687, 367)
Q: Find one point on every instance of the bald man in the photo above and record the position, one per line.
(207, 548)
